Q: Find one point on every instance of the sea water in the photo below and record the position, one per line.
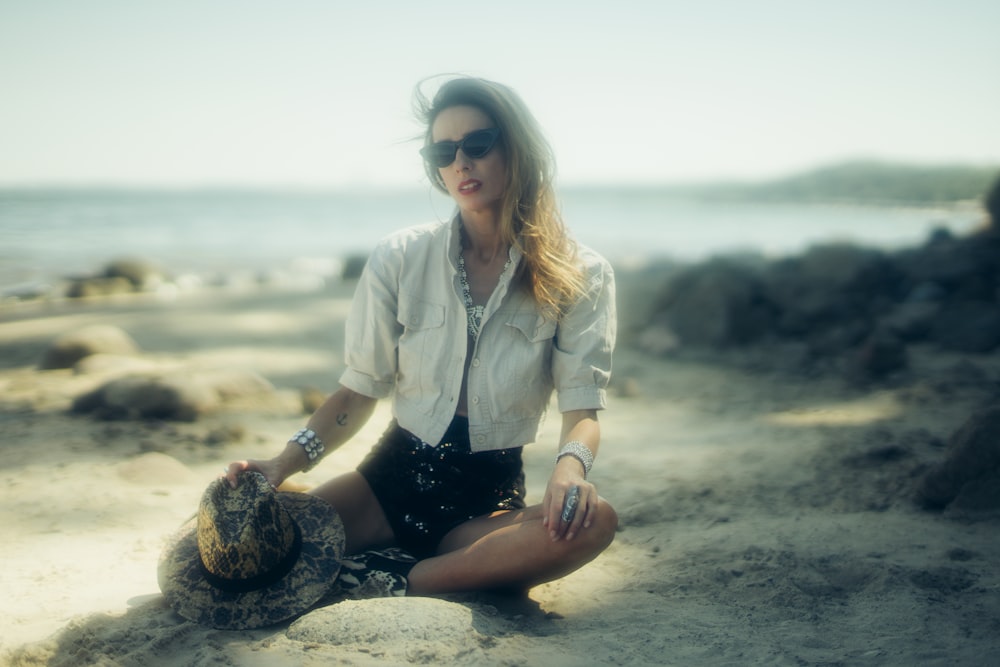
(48, 235)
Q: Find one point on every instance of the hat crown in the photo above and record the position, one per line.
(214, 569)
(244, 534)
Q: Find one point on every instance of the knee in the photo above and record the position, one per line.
(605, 524)
(608, 518)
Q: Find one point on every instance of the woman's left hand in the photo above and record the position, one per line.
(566, 475)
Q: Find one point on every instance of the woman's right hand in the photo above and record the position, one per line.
(271, 469)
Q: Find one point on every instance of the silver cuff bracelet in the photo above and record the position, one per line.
(579, 451)
(312, 445)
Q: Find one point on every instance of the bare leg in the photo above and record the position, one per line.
(503, 550)
(365, 524)
(507, 550)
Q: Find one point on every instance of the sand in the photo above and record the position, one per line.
(766, 517)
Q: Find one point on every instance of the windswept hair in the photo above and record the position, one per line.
(530, 217)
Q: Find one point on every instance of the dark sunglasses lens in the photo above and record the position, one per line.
(478, 144)
(440, 154)
(475, 145)
(443, 154)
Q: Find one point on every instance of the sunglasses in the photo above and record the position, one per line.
(475, 145)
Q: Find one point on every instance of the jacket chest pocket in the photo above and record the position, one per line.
(532, 328)
(419, 314)
(525, 363)
(422, 342)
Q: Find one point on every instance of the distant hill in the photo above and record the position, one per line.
(866, 182)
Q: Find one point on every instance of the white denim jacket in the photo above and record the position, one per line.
(407, 332)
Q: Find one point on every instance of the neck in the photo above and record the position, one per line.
(481, 238)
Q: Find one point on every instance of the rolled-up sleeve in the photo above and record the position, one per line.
(373, 330)
(585, 341)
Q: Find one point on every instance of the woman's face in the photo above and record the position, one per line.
(475, 184)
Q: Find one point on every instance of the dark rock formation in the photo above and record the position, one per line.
(856, 307)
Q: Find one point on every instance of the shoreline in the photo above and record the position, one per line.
(192, 246)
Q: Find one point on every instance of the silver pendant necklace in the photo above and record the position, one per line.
(474, 312)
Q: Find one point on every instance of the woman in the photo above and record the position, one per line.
(470, 325)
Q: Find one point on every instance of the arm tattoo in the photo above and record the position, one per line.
(342, 419)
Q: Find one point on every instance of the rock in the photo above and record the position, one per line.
(230, 384)
(940, 235)
(966, 269)
(979, 495)
(173, 397)
(353, 266)
(70, 348)
(967, 327)
(112, 364)
(965, 374)
(880, 354)
(912, 320)
(141, 397)
(122, 276)
(312, 399)
(926, 292)
(971, 465)
(836, 283)
(398, 630)
(141, 274)
(991, 202)
(657, 340)
(226, 434)
(82, 288)
(851, 307)
(715, 304)
(836, 338)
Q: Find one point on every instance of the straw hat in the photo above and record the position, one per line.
(251, 557)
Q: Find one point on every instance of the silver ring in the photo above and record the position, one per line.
(569, 504)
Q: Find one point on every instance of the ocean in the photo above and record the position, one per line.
(48, 235)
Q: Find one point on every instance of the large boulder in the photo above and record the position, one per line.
(969, 476)
(86, 288)
(879, 355)
(831, 284)
(991, 201)
(70, 348)
(963, 268)
(177, 397)
(969, 326)
(715, 304)
(121, 276)
(141, 274)
(148, 397)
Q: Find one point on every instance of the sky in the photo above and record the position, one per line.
(317, 93)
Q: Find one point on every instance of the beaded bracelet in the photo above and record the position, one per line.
(579, 451)
(312, 445)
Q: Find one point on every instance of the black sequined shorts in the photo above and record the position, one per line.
(426, 491)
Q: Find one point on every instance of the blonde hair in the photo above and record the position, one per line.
(530, 217)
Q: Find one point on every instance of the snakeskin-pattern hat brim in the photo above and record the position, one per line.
(184, 585)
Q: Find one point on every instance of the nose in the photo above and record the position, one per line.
(462, 161)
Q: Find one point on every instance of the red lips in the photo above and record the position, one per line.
(469, 186)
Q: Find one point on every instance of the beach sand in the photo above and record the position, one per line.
(766, 517)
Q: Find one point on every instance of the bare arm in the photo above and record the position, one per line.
(582, 426)
(336, 421)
